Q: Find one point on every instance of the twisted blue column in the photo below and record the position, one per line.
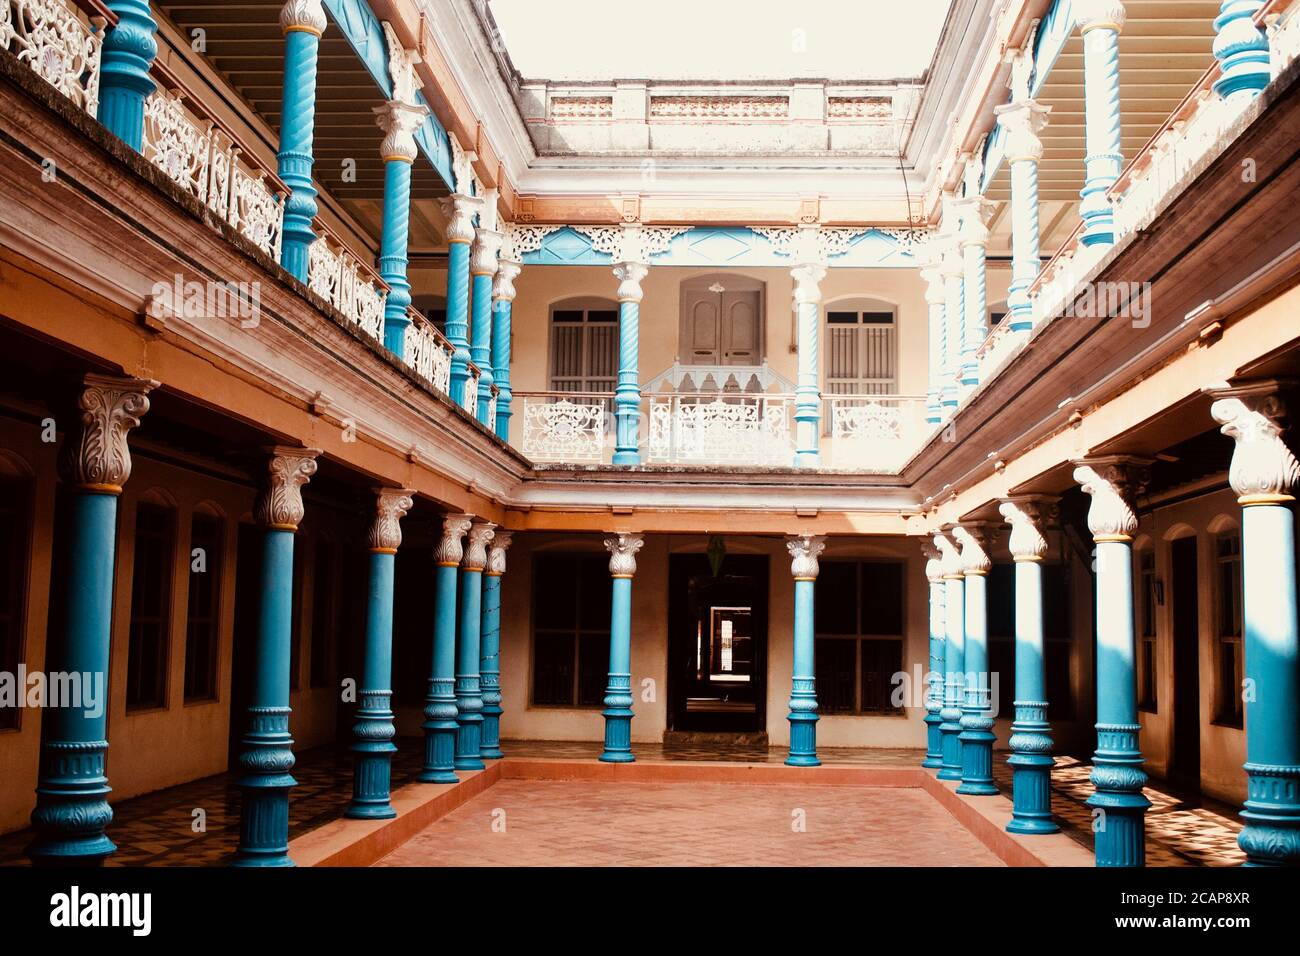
(807, 390)
(373, 747)
(1024, 243)
(1241, 48)
(268, 749)
(501, 365)
(618, 689)
(953, 675)
(1031, 742)
(803, 685)
(1103, 154)
(1271, 836)
(297, 123)
(975, 327)
(1117, 774)
(440, 702)
(393, 251)
(490, 667)
(976, 724)
(124, 83)
(627, 391)
(480, 349)
(934, 677)
(469, 693)
(458, 316)
(72, 809)
(951, 269)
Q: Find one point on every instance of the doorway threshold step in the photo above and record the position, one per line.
(689, 738)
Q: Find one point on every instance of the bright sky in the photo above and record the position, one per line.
(720, 39)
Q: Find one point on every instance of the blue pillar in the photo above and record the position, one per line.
(627, 393)
(1264, 474)
(374, 730)
(72, 811)
(1031, 742)
(1103, 154)
(267, 757)
(804, 551)
(440, 702)
(807, 390)
(469, 690)
(302, 23)
(953, 658)
(503, 294)
(399, 121)
(459, 211)
(483, 268)
(1119, 805)
(976, 718)
(490, 665)
(934, 675)
(1241, 49)
(1023, 120)
(618, 690)
(124, 83)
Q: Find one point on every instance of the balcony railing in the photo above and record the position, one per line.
(58, 43)
(721, 429)
(346, 283)
(875, 432)
(572, 427)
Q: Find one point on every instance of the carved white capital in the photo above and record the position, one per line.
(480, 535)
(1022, 67)
(804, 550)
(305, 15)
(450, 550)
(949, 556)
(96, 455)
(976, 211)
(503, 286)
(973, 171)
(399, 123)
(496, 562)
(1099, 15)
(391, 505)
(622, 550)
(1263, 470)
(459, 211)
(483, 257)
(933, 562)
(1023, 121)
(629, 276)
(462, 167)
(401, 67)
(1026, 515)
(1112, 482)
(973, 540)
(279, 505)
(807, 282)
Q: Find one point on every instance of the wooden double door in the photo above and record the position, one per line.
(721, 321)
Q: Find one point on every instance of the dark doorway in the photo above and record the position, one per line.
(1185, 758)
(248, 581)
(717, 644)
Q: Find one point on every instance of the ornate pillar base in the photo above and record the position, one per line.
(977, 755)
(618, 720)
(490, 745)
(372, 763)
(933, 741)
(439, 735)
(950, 743)
(803, 732)
(72, 810)
(1031, 765)
(1119, 806)
(469, 728)
(1272, 816)
(264, 805)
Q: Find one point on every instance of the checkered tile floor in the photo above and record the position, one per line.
(158, 829)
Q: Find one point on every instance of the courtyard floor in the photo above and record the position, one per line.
(158, 829)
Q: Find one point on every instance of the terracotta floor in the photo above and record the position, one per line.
(156, 829)
(585, 823)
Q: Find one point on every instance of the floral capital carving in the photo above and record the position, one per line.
(1111, 482)
(399, 121)
(973, 538)
(949, 556)
(1263, 468)
(503, 286)
(1099, 15)
(450, 550)
(622, 548)
(496, 561)
(391, 505)
(480, 535)
(279, 506)
(483, 259)
(96, 456)
(1023, 121)
(401, 67)
(1025, 515)
(305, 15)
(807, 282)
(629, 276)
(459, 211)
(933, 562)
(804, 550)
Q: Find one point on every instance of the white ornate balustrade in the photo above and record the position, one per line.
(340, 279)
(1283, 38)
(711, 429)
(428, 353)
(565, 426)
(719, 378)
(206, 163)
(53, 39)
(875, 432)
(469, 400)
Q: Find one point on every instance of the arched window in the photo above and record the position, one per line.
(584, 345)
(861, 350)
